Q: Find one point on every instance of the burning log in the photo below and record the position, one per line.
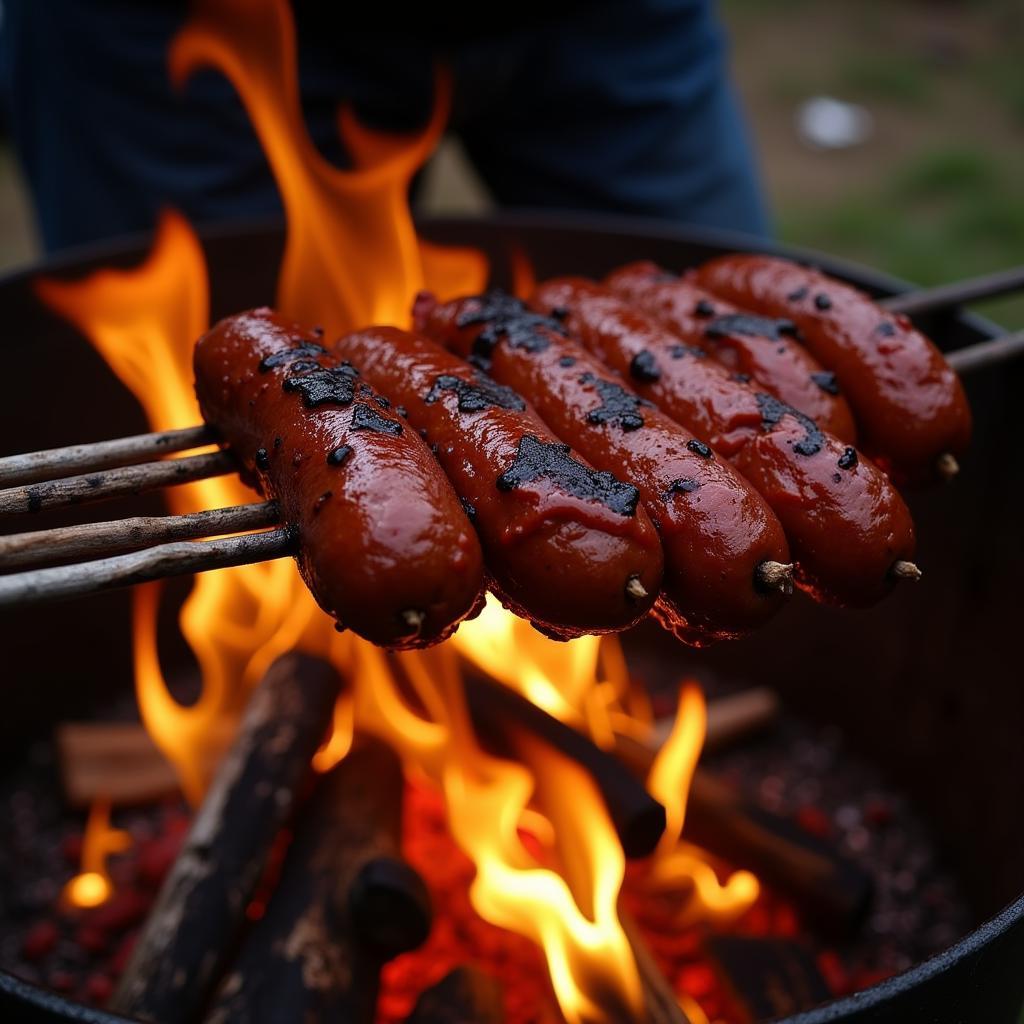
(833, 893)
(201, 907)
(661, 1005)
(463, 996)
(310, 957)
(638, 818)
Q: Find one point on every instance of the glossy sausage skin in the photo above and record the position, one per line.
(714, 528)
(909, 403)
(561, 550)
(381, 532)
(845, 522)
(761, 348)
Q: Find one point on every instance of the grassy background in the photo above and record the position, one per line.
(938, 191)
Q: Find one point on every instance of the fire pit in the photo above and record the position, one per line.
(920, 687)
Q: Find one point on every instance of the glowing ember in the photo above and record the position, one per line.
(548, 864)
(92, 887)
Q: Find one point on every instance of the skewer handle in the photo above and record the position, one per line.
(177, 559)
(83, 458)
(943, 296)
(987, 353)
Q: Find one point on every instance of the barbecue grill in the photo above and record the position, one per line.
(922, 684)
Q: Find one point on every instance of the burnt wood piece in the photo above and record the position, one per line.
(638, 818)
(661, 1006)
(465, 995)
(201, 907)
(306, 959)
(832, 893)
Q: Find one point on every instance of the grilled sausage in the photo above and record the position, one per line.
(847, 526)
(566, 547)
(761, 348)
(910, 407)
(718, 535)
(385, 546)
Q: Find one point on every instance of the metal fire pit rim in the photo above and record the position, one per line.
(39, 1005)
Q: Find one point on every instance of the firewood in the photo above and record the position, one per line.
(201, 907)
(308, 958)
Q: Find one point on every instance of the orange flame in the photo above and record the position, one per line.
(92, 886)
(352, 257)
(343, 225)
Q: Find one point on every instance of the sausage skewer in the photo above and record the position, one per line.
(385, 546)
(567, 547)
(847, 526)
(725, 553)
(760, 348)
(910, 406)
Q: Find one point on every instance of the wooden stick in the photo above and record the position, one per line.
(956, 293)
(638, 818)
(465, 995)
(87, 458)
(117, 761)
(987, 353)
(661, 1005)
(114, 483)
(306, 958)
(201, 907)
(42, 586)
(117, 536)
(730, 719)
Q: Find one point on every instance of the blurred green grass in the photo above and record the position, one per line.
(938, 192)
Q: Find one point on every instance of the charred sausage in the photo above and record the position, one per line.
(566, 547)
(847, 526)
(385, 546)
(761, 348)
(910, 406)
(722, 543)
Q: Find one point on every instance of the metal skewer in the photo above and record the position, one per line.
(956, 293)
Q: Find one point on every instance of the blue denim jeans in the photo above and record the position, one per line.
(614, 105)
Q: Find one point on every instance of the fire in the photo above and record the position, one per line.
(92, 885)
(352, 257)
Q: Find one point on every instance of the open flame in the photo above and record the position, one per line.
(352, 257)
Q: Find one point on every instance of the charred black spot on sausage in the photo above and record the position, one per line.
(798, 296)
(822, 301)
(476, 395)
(837, 478)
(848, 459)
(887, 329)
(750, 326)
(560, 312)
(681, 351)
(307, 352)
(741, 378)
(684, 485)
(699, 448)
(618, 407)
(365, 417)
(278, 441)
(704, 309)
(402, 411)
(644, 367)
(773, 411)
(382, 401)
(537, 460)
(469, 508)
(337, 456)
(507, 318)
(262, 458)
(324, 385)
(826, 381)
(567, 361)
